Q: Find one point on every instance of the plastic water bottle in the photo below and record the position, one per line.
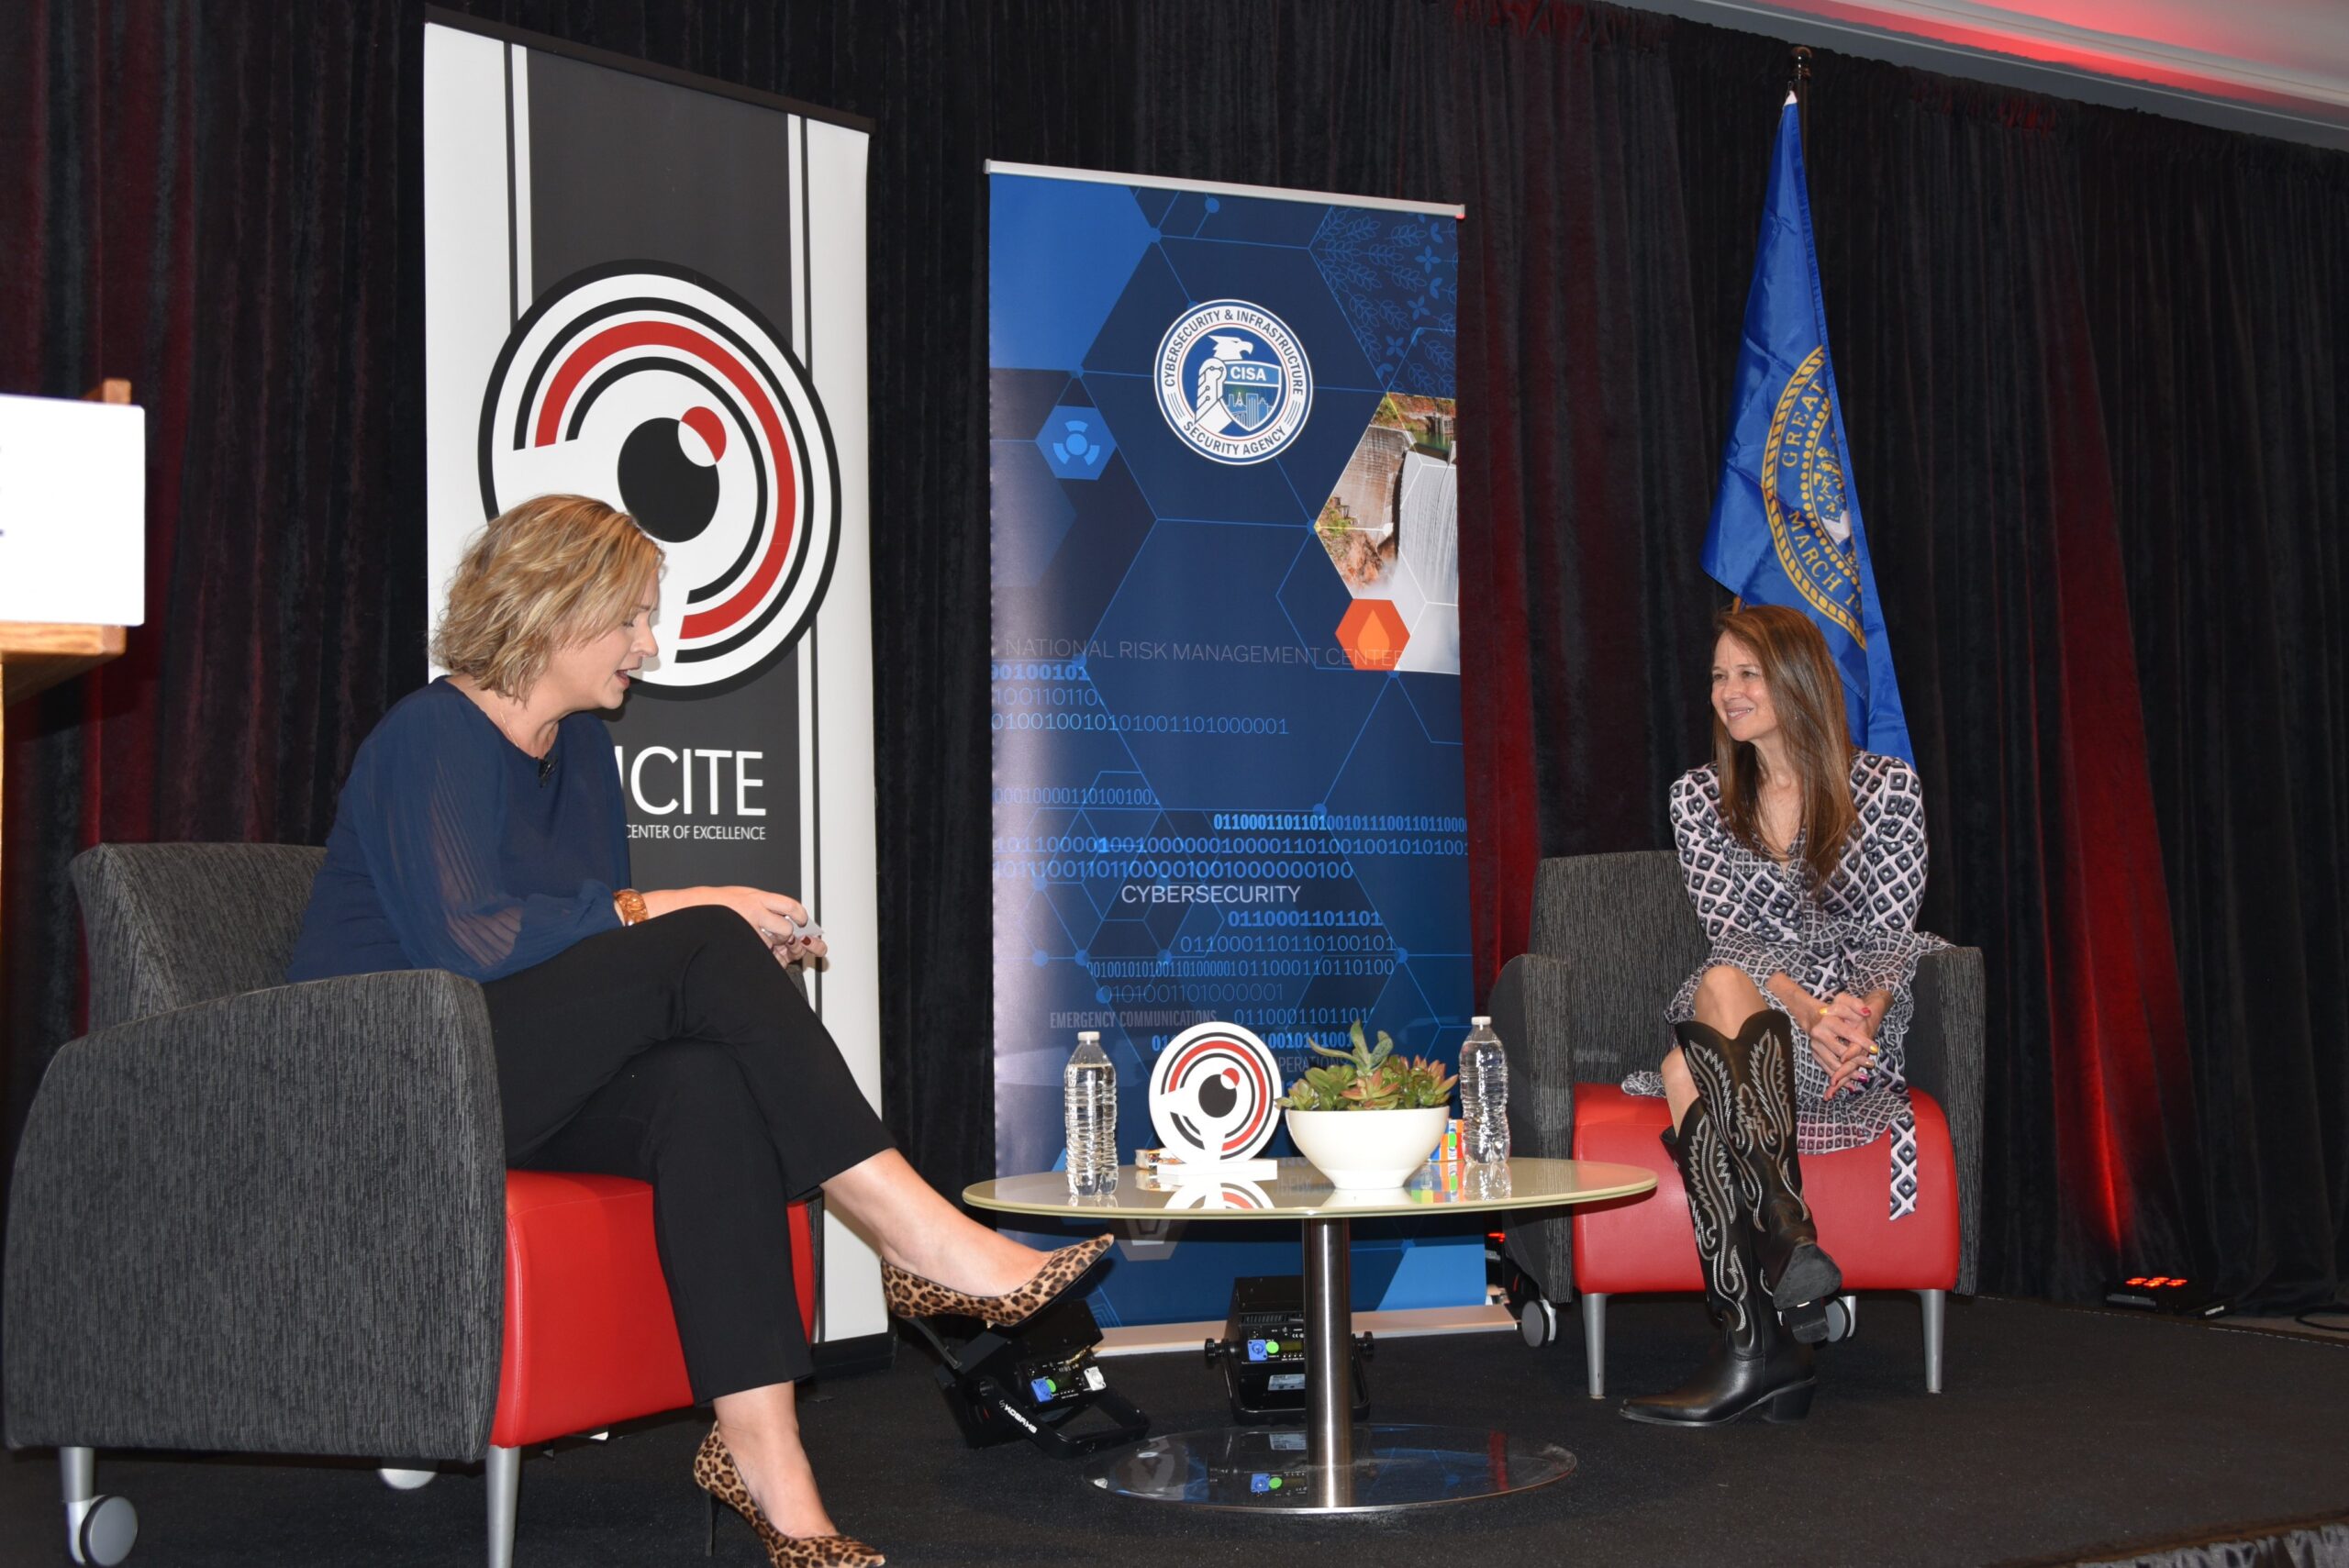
(1484, 1093)
(1090, 1094)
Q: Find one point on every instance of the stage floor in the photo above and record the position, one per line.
(2063, 1436)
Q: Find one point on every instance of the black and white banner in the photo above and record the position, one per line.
(649, 288)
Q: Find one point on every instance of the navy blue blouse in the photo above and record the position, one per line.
(451, 851)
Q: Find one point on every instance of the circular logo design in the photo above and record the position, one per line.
(1211, 1094)
(671, 398)
(1809, 513)
(1233, 380)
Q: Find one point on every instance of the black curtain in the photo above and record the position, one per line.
(2094, 365)
(2220, 308)
(219, 205)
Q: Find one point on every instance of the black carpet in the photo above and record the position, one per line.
(2062, 1435)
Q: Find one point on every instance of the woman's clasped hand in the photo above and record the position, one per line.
(778, 917)
(1843, 1040)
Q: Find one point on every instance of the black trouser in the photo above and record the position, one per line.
(679, 1052)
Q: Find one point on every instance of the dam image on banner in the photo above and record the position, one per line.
(1225, 667)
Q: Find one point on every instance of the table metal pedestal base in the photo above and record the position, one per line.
(1268, 1468)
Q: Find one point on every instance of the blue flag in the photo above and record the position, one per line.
(1786, 527)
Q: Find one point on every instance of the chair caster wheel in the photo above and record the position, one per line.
(1537, 1320)
(106, 1531)
(407, 1480)
(1842, 1318)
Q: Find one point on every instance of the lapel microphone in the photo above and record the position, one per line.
(546, 766)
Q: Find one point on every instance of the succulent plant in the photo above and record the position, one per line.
(1369, 1078)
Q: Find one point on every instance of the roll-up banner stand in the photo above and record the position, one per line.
(1226, 665)
(649, 288)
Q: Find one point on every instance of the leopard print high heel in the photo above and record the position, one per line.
(910, 1295)
(715, 1473)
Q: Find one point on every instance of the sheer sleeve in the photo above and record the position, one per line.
(432, 830)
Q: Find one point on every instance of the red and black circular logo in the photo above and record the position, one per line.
(667, 395)
(1211, 1094)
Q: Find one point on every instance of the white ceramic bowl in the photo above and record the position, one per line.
(1368, 1148)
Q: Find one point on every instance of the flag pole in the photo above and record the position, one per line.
(1801, 87)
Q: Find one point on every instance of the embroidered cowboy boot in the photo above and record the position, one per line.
(1749, 1079)
(1753, 1361)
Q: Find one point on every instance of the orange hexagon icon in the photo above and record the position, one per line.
(1373, 634)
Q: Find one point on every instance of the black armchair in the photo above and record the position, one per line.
(245, 1216)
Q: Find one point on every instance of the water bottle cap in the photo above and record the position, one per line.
(1480, 1021)
(1091, 1037)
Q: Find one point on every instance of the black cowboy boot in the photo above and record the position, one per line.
(1748, 1080)
(1753, 1361)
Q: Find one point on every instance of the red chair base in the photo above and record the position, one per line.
(1648, 1245)
(590, 1336)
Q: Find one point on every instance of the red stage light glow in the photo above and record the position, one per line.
(2179, 46)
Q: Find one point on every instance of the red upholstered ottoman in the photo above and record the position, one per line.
(590, 1338)
(1647, 1244)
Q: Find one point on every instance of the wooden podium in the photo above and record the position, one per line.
(36, 655)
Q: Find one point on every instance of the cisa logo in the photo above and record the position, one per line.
(1233, 380)
(670, 396)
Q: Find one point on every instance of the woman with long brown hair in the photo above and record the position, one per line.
(1805, 857)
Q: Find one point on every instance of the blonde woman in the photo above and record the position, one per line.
(648, 1033)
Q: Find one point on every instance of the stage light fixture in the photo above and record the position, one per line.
(1263, 1353)
(2174, 1294)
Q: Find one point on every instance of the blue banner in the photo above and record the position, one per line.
(1226, 666)
(1786, 527)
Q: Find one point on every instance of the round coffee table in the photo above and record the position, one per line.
(1334, 1466)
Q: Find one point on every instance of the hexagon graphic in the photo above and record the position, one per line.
(1389, 526)
(1373, 634)
(1076, 442)
(1358, 524)
(1395, 496)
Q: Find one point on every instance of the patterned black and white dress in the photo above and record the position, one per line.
(1859, 935)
